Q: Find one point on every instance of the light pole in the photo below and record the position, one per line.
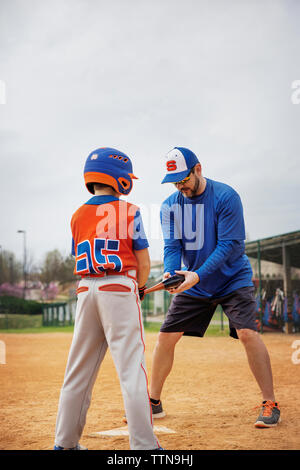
(24, 261)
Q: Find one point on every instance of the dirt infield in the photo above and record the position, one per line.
(209, 397)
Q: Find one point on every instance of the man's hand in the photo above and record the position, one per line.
(191, 279)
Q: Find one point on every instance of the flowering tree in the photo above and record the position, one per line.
(50, 291)
(13, 290)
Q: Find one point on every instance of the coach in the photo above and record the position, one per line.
(203, 227)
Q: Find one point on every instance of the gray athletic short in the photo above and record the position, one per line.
(192, 315)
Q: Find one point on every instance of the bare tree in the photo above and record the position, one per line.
(11, 270)
(51, 267)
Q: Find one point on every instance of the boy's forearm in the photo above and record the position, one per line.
(143, 274)
(143, 266)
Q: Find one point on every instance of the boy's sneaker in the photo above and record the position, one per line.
(77, 447)
(269, 415)
(157, 412)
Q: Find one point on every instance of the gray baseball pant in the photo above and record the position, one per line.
(109, 317)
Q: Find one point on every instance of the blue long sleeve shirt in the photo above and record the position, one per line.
(206, 234)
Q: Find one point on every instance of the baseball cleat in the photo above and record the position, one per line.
(269, 415)
(77, 447)
(157, 412)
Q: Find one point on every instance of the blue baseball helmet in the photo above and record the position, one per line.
(111, 167)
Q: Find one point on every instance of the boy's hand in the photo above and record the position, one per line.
(142, 292)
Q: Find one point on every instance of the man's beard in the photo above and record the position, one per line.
(193, 191)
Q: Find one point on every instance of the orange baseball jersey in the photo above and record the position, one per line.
(105, 232)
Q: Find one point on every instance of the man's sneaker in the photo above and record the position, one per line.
(77, 447)
(269, 415)
(157, 412)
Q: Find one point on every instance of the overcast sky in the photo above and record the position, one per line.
(141, 76)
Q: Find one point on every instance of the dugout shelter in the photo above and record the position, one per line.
(281, 249)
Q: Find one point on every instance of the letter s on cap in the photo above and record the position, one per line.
(171, 165)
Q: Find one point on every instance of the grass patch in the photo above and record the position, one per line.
(212, 330)
(215, 330)
(33, 324)
(16, 321)
(150, 327)
(42, 329)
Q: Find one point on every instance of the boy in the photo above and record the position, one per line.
(111, 256)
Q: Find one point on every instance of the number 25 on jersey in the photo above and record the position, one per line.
(91, 259)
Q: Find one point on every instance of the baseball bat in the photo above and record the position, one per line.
(173, 281)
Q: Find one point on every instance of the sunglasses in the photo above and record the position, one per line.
(186, 179)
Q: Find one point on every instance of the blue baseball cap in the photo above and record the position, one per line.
(179, 162)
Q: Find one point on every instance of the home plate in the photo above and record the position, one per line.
(124, 431)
